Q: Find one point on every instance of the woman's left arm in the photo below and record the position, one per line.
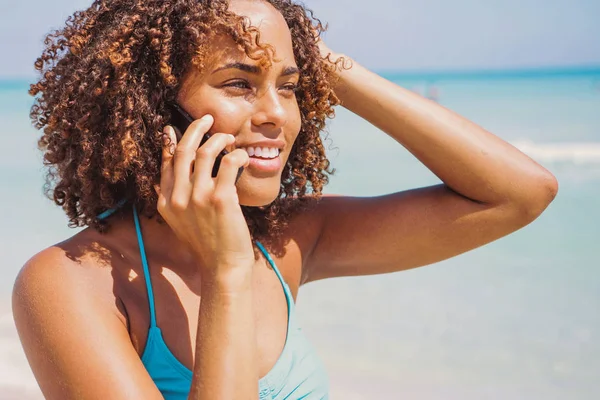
(490, 188)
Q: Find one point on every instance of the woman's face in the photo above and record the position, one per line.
(257, 105)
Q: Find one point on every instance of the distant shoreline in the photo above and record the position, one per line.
(22, 83)
(486, 74)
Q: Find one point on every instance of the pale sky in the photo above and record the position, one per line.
(387, 34)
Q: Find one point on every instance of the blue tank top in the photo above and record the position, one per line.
(297, 374)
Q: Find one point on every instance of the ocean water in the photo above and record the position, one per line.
(516, 319)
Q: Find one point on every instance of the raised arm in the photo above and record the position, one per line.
(490, 188)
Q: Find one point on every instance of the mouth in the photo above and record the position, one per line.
(265, 153)
(264, 161)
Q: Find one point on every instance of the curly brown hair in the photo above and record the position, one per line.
(108, 76)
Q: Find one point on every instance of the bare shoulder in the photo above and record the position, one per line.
(78, 266)
(301, 236)
(70, 325)
(306, 224)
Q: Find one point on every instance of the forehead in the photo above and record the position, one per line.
(271, 25)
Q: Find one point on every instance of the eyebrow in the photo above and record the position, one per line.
(254, 69)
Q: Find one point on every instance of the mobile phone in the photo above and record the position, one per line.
(181, 120)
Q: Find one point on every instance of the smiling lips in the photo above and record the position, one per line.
(265, 156)
(263, 152)
(264, 159)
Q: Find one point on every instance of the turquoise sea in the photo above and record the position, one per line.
(517, 319)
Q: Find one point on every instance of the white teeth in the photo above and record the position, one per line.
(263, 152)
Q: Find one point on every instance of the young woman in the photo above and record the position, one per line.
(183, 284)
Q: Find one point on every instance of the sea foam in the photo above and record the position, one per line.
(569, 152)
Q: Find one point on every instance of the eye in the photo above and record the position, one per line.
(238, 84)
(292, 87)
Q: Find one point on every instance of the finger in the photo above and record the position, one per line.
(185, 152)
(169, 142)
(206, 156)
(185, 155)
(192, 137)
(230, 165)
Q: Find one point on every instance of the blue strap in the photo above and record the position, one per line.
(145, 266)
(286, 288)
(111, 211)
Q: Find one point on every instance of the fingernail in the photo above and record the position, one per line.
(207, 118)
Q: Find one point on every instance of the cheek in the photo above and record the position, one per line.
(230, 116)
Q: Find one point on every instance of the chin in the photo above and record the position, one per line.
(255, 192)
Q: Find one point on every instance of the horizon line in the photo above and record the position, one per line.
(490, 73)
(426, 73)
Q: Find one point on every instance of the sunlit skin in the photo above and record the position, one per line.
(203, 267)
(248, 101)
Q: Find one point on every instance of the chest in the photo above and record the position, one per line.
(176, 309)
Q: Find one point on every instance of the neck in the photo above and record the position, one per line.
(163, 246)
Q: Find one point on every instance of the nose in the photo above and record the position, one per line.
(269, 110)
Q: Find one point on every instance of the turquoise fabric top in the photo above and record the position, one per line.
(297, 374)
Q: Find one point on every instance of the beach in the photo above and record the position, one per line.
(517, 319)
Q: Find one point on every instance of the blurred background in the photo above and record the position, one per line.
(517, 319)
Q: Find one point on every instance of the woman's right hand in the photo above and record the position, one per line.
(203, 211)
